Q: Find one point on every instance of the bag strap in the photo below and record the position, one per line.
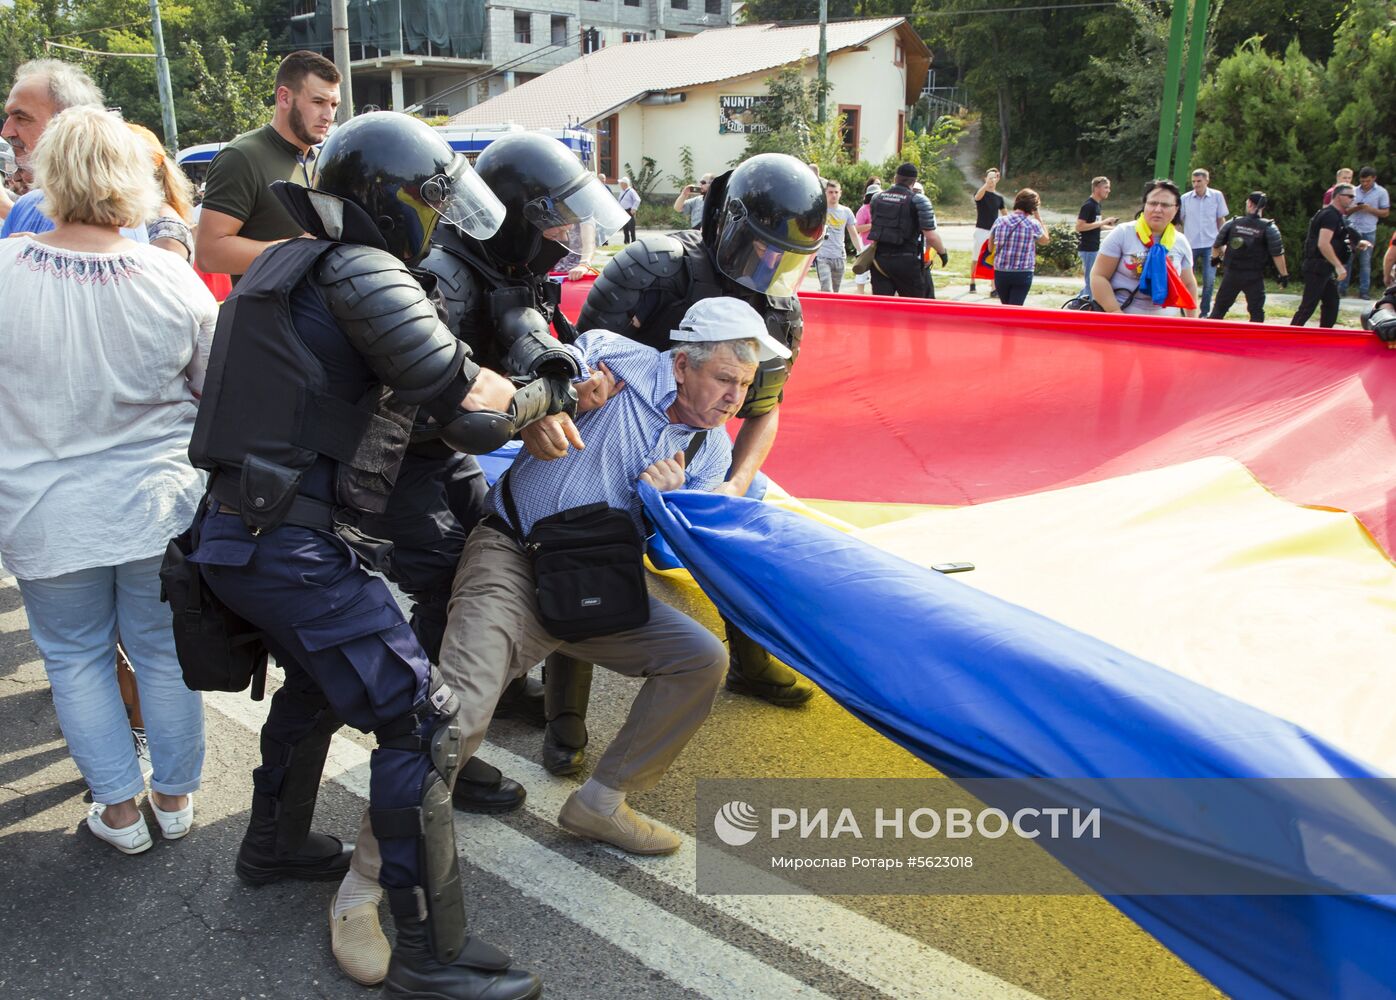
(693, 445)
(511, 513)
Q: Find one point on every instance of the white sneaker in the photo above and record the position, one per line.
(131, 839)
(174, 825)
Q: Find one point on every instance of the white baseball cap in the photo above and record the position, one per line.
(719, 319)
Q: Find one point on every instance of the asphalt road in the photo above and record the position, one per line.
(80, 920)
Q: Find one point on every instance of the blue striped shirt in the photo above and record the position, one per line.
(623, 438)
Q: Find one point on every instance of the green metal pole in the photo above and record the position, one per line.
(1197, 44)
(162, 79)
(1169, 109)
(823, 59)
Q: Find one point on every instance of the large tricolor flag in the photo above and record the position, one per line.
(1182, 532)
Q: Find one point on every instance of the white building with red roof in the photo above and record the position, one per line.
(652, 98)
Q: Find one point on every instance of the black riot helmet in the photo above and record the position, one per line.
(550, 199)
(405, 177)
(770, 223)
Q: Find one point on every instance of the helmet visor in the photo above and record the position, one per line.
(461, 198)
(761, 262)
(581, 218)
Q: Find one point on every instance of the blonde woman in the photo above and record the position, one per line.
(105, 344)
(170, 228)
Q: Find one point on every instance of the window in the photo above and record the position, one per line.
(591, 40)
(851, 115)
(679, 4)
(302, 10)
(712, 7)
(608, 146)
(632, 3)
(898, 55)
(523, 28)
(633, 36)
(559, 30)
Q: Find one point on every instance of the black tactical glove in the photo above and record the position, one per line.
(944, 258)
(1283, 280)
(1382, 322)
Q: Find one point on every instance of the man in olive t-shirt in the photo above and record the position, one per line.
(240, 216)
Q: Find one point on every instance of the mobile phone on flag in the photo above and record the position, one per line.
(955, 567)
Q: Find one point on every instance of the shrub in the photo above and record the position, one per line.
(1059, 256)
(659, 214)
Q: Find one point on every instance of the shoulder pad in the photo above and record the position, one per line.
(458, 284)
(388, 319)
(653, 256)
(652, 262)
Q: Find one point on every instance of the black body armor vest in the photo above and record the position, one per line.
(894, 219)
(1246, 247)
(267, 413)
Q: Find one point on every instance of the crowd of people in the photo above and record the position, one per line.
(281, 455)
(1194, 228)
(394, 315)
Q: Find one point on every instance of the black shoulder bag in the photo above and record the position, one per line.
(588, 569)
(588, 566)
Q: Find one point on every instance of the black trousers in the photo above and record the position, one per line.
(901, 274)
(1320, 290)
(627, 233)
(1233, 284)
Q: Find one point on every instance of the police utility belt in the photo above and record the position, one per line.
(588, 568)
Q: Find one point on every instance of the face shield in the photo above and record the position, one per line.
(581, 218)
(462, 199)
(769, 263)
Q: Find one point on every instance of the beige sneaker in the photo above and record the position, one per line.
(358, 943)
(625, 828)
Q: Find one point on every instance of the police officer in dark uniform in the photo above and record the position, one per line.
(1246, 244)
(500, 300)
(762, 224)
(903, 225)
(322, 356)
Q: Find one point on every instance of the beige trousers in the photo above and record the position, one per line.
(493, 635)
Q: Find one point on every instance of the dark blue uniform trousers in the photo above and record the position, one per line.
(436, 501)
(342, 641)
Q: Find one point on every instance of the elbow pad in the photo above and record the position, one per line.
(531, 351)
(1382, 322)
(480, 432)
(389, 319)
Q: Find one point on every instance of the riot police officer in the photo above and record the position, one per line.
(1381, 318)
(903, 225)
(322, 356)
(1247, 244)
(762, 224)
(498, 299)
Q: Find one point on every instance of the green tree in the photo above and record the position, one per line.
(1361, 86)
(227, 100)
(1261, 117)
(785, 123)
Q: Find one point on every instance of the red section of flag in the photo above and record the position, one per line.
(984, 264)
(954, 403)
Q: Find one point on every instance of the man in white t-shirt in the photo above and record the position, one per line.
(629, 200)
(830, 259)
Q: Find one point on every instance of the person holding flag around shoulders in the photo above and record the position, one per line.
(1147, 267)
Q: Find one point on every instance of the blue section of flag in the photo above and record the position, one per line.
(981, 688)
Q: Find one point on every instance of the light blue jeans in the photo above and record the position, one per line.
(1361, 265)
(1087, 261)
(1202, 260)
(74, 619)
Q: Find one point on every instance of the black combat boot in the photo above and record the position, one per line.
(753, 671)
(278, 844)
(523, 699)
(480, 972)
(567, 690)
(480, 788)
